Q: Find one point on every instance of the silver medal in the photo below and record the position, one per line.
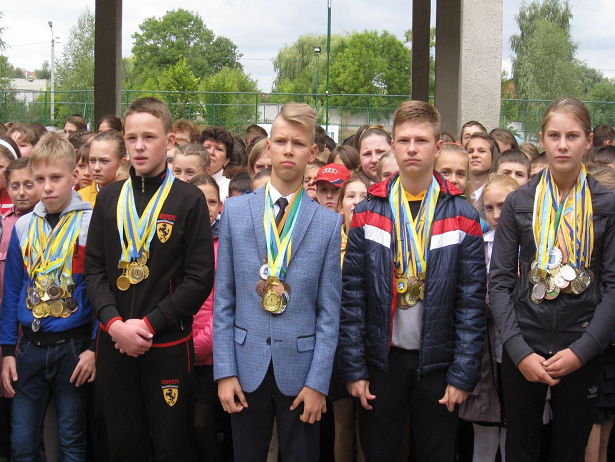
(568, 273)
(539, 291)
(36, 325)
(555, 258)
(264, 271)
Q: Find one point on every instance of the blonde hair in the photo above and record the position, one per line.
(501, 181)
(419, 112)
(195, 150)
(256, 153)
(301, 114)
(152, 106)
(386, 156)
(114, 136)
(572, 107)
(354, 179)
(53, 147)
(456, 148)
(604, 174)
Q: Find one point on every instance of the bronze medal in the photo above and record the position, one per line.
(54, 291)
(65, 312)
(56, 307)
(553, 294)
(401, 302)
(123, 283)
(560, 282)
(70, 288)
(287, 288)
(272, 301)
(260, 288)
(72, 305)
(279, 289)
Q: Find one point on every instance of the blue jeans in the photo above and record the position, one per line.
(43, 373)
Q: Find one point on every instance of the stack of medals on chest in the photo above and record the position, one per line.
(564, 237)
(136, 232)
(560, 276)
(275, 292)
(411, 242)
(48, 255)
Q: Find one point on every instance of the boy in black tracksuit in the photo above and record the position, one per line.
(144, 349)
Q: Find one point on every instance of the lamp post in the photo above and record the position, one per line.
(328, 60)
(317, 52)
(51, 83)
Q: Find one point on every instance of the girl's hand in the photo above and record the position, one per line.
(562, 363)
(532, 368)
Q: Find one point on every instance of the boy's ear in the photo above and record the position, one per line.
(439, 145)
(313, 153)
(170, 141)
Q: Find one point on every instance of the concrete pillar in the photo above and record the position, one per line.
(421, 21)
(478, 37)
(108, 58)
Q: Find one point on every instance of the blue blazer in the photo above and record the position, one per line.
(302, 340)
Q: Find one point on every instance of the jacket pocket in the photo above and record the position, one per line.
(240, 335)
(307, 343)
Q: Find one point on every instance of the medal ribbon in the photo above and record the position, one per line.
(46, 251)
(139, 230)
(567, 223)
(279, 239)
(412, 234)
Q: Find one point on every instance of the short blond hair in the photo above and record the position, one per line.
(419, 112)
(51, 148)
(301, 114)
(195, 150)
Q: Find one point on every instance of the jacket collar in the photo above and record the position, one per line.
(383, 188)
(148, 184)
(76, 203)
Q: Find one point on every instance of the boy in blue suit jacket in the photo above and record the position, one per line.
(278, 295)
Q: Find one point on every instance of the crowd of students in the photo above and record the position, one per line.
(407, 281)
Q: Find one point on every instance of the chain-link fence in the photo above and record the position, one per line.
(238, 110)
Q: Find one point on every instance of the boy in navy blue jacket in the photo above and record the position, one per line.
(44, 292)
(413, 299)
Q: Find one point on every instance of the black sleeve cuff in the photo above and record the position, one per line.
(8, 350)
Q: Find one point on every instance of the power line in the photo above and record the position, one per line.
(28, 44)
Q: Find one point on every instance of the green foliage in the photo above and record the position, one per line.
(75, 70)
(226, 106)
(161, 43)
(179, 78)
(44, 72)
(603, 112)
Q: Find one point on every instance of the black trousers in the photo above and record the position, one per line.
(152, 394)
(573, 402)
(253, 426)
(400, 391)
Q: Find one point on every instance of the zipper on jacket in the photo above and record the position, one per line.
(418, 375)
(553, 327)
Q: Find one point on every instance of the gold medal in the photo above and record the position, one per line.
(402, 285)
(56, 307)
(145, 271)
(273, 281)
(409, 299)
(44, 282)
(39, 310)
(577, 287)
(422, 292)
(533, 277)
(142, 259)
(123, 283)
(65, 312)
(272, 302)
(135, 273)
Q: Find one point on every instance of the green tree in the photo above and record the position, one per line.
(227, 101)
(604, 108)
(44, 72)
(179, 79)
(180, 33)
(75, 69)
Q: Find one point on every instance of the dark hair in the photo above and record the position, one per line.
(471, 123)
(505, 136)
(239, 149)
(493, 146)
(3, 129)
(603, 133)
(204, 179)
(221, 135)
(38, 129)
(605, 155)
(319, 131)
(253, 143)
(540, 159)
(349, 156)
(16, 164)
(529, 149)
(78, 121)
(516, 156)
(83, 153)
(113, 121)
(352, 179)
(240, 183)
(264, 172)
(235, 158)
(79, 138)
(373, 130)
(4, 151)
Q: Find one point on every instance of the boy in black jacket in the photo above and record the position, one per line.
(147, 276)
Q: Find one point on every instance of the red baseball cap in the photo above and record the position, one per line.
(335, 174)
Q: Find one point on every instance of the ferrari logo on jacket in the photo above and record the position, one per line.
(170, 391)
(163, 230)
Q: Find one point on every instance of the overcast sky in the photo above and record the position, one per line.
(260, 28)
